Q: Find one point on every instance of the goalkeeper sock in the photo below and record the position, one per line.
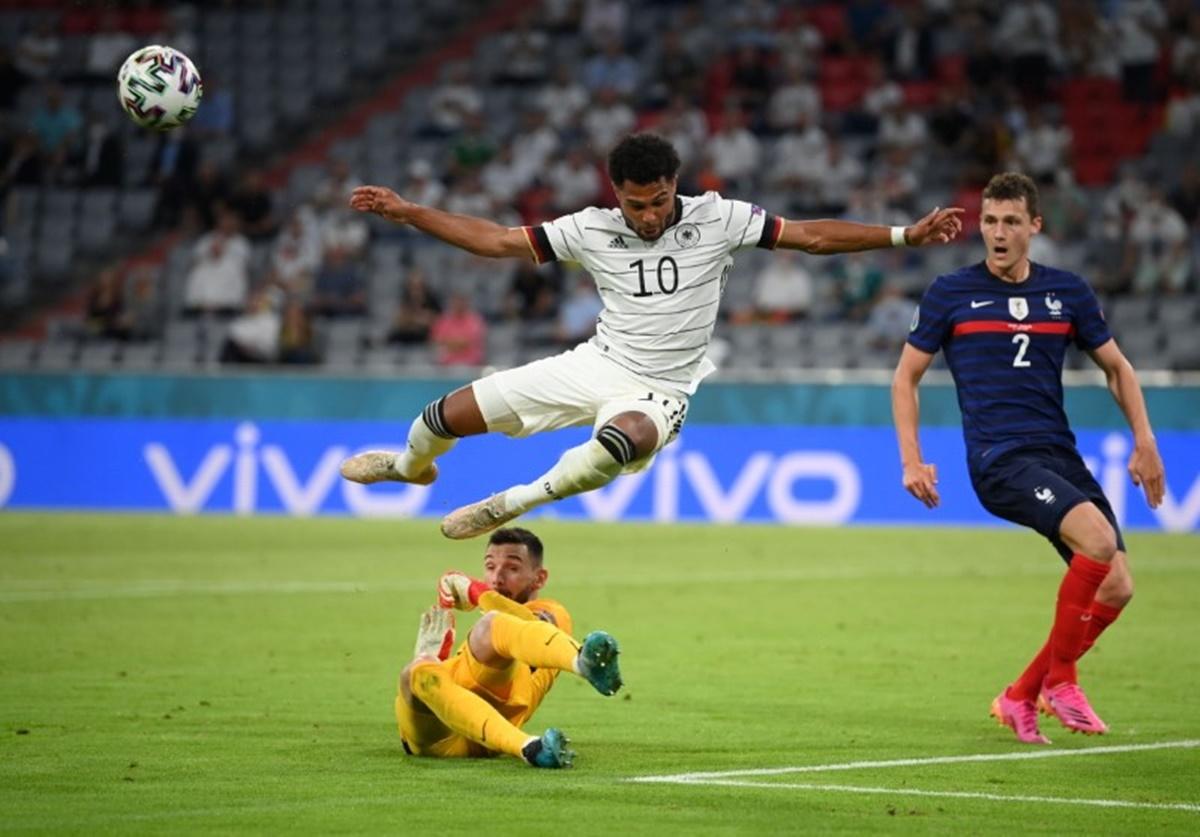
(535, 643)
(463, 711)
(582, 468)
(428, 438)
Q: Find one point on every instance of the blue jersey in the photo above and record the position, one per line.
(1004, 344)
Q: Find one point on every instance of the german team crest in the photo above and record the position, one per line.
(1018, 306)
(687, 235)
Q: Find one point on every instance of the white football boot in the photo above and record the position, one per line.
(379, 466)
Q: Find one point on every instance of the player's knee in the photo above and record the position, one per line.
(404, 684)
(1102, 542)
(455, 415)
(483, 627)
(628, 437)
(480, 639)
(421, 679)
(1091, 533)
(1122, 593)
(1117, 589)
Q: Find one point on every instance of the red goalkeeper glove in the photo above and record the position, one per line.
(458, 591)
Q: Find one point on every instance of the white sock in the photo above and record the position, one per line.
(579, 469)
(424, 446)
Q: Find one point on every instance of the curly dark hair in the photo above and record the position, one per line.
(1012, 186)
(517, 535)
(642, 159)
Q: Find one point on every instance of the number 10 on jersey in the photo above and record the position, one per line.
(663, 264)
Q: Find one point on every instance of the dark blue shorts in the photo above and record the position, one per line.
(1037, 486)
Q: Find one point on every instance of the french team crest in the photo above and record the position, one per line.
(1018, 306)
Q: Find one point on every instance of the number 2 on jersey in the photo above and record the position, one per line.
(1022, 341)
(662, 285)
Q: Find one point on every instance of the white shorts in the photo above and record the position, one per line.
(573, 389)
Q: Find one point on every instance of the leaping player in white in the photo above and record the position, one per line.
(660, 263)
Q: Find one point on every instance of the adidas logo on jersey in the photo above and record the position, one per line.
(618, 243)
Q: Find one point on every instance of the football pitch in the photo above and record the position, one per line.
(237, 675)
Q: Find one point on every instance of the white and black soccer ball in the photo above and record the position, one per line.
(159, 87)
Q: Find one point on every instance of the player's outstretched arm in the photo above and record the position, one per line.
(920, 478)
(827, 237)
(475, 235)
(1145, 463)
(458, 591)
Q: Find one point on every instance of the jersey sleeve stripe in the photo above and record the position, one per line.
(539, 243)
(772, 232)
(992, 326)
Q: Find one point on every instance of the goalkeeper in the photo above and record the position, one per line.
(473, 704)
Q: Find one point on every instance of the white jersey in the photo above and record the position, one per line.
(660, 297)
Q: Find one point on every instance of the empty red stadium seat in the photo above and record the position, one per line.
(1095, 170)
(841, 95)
(952, 69)
(835, 68)
(920, 94)
(1092, 89)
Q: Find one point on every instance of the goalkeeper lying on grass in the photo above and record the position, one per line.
(474, 703)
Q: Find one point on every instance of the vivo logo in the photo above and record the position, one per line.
(301, 496)
(776, 476)
(1111, 473)
(762, 474)
(8, 475)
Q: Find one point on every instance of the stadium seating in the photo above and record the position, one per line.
(291, 66)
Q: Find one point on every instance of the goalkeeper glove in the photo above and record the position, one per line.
(458, 591)
(435, 637)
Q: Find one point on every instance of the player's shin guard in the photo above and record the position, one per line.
(582, 468)
(1072, 615)
(428, 438)
(537, 644)
(463, 711)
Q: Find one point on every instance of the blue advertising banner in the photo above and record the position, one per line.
(769, 474)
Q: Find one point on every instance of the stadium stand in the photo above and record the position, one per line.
(873, 111)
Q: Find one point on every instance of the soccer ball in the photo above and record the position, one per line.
(159, 87)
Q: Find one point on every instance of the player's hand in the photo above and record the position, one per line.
(383, 202)
(458, 591)
(1146, 470)
(435, 637)
(938, 227)
(920, 480)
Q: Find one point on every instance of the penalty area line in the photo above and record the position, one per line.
(1025, 755)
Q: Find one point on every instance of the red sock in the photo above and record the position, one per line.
(1072, 616)
(1026, 686)
(1102, 616)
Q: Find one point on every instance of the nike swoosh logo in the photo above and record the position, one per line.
(975, 304)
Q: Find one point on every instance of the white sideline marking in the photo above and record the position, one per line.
(993, 797)
(705, 778)
(725, 778)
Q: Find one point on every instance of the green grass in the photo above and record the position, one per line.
(219, 674)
